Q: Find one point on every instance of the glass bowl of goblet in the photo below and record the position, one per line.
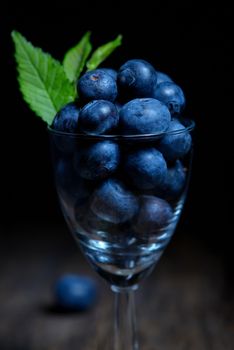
(122, 197)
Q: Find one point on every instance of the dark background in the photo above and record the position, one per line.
(189, 301)
(190, 43)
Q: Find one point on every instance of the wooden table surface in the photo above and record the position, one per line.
(183, 305)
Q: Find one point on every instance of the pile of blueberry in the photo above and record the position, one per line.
(113, 181)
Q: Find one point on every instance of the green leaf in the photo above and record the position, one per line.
(103, 52)
(42, 80)
(75, 59)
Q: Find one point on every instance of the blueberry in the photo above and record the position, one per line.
(65, 144)
(66, 119)
(162, 77)
(144, 116)
(175, 145)
(89, 221)
(80, 211)
(93, 223)
(98, 160)
(154, 214)
(97, 85)
(98, 117)
(172, 95)
(75, 292)
(175, 180)
(71, 187)
(113, 202)
(136, 78)
(110, 71)
(146, 168)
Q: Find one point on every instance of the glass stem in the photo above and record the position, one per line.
(125, 336)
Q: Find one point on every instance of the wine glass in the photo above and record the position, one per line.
(122, 196)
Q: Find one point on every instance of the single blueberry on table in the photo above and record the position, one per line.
(162, 77)
(144, 116)
(113, 202)
(66, 119)
(98, 160)
(146, 168)
(97, 85)
(75, 292)
(112, 72)
(136, 78)
(98, 117)
(154, 214)
(177, 142)
(172, 95)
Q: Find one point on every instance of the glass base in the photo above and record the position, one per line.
(120, 269)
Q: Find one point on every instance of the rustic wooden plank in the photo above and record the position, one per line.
(181, 306)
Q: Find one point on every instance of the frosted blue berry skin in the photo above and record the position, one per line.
(88, 221)
(144, 116)
(113, 202)
(98, 117)
(97, 85)
(70, 185)
(111, 72)
(172, 95)
(154, 214)
(66, 119)
(98, 160)
(175, 145)
(146, 168)
(175, 180)
(162, 77)
(136, 78)
(75, 292)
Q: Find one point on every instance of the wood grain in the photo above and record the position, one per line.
(183, 305)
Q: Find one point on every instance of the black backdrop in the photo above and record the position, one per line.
(192, 44)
